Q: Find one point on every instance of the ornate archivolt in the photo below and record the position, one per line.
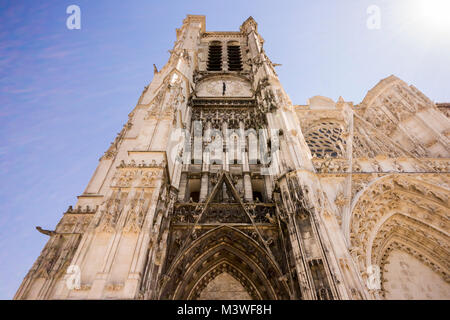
(402, 212)
(244, 236)
(422, 241)
(221, 249)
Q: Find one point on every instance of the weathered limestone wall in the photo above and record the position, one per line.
(407, 278)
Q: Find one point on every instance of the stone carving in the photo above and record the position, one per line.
(126, 178)
(136, 214)
(397, 197)
(325, 138)
(110, 214)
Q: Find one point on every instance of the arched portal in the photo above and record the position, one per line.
(222, 250)
(399, 225)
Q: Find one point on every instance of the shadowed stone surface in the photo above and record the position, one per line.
(224, 287)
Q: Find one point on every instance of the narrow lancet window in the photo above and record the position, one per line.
(234, 56)
(215, 56)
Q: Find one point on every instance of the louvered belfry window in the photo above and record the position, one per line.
(234, 56)
(215, 56)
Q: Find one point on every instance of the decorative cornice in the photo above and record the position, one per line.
(222, 34)
(215, 102)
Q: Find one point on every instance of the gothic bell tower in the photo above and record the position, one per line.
(208, 191)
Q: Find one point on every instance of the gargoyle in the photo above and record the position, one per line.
(46, 232)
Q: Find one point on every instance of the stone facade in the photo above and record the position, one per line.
(218, 187)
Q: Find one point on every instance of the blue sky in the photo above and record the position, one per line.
(64, 94)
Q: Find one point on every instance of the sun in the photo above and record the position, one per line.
(431, 14)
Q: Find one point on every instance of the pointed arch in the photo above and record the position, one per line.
(403, 212)
(221, 269)
(243, 255)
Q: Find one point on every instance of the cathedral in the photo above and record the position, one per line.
(219, 187)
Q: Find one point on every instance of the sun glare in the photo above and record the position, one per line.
(432, 14)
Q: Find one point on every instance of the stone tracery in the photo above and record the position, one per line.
(325, 139)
